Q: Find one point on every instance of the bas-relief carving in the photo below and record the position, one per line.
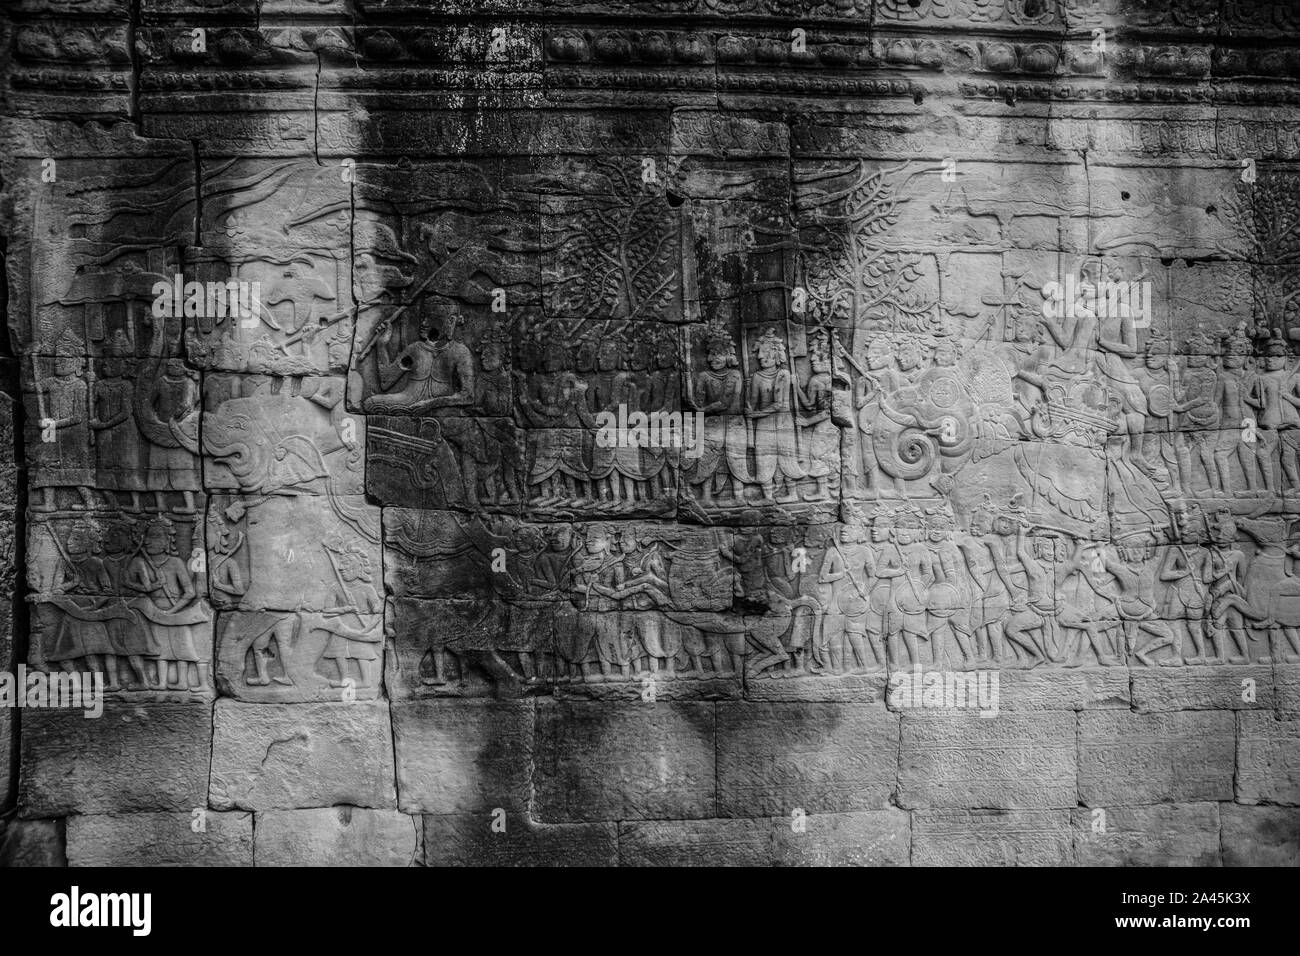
(915, 466)
(122, 594)
(972, 482)
(287, 226)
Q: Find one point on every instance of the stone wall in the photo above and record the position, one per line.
(654, 432)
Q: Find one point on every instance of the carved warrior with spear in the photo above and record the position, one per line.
(373, 339)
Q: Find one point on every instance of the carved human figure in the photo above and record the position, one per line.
(615, 469)
(770, 406)
(128, 633)
(766, 634)
(644, 595)
(1269, 589)
(1184, 569)
(1135, 578)
(664, 395)
(1230, 606)
(1116, 347)
(822, 455)
(912, 586)
(879, 379)
(355, 622)
(843, 577)
(553, 404)
(1196, 437)
(503, 467)
(1288, 388)
(598, 639)
(174, 399)
(1288, 627)
(1158, 379)
(171, 607)
(1088, 607)
(437, 378)
(224, 575)
(1023, 579)
(991, 598)
(1277, 416)
(551, 581)
(82, 634)
(1236, 396)
(883, 567)
(948, 600)
(64, 454)
(722, 469)
(117, 439)
(1031, 621)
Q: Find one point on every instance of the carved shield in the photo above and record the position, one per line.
(1160, 400)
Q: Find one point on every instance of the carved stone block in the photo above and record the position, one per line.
(598, 761)
(1022, 761)
(1128, 759)
(281, 231)
(286, 757)
(336, 836)
(199, 837)
(32, 843)
(1204, 688)
(1268, 759)
(462, 756)
(328, 544)
(484, 839)
(991, 838)
(1178, 834)
(1260, 836)
(109, 765)
(272, 436)
(821, 758)
(446, 463)
(300, 656)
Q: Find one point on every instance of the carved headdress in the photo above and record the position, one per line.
(717, 339)
(118, 345)
(1277, 347)
(168, 530)
(1201, 343)
(770, 343)
(1157, 341)
(69, 345)
(1237, 342)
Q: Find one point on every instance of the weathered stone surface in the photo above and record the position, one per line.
(1011, 761)
(32, 843)
(479, 840)
(821, 758)
(1204, 688)
(1128, 759)
(7, 780)
(596, 761)
(637, 404)
(862, 838)
(1176, 834)
(314, 553)
(1260, 836)
(460, 756)
(1092, 688)
(1287, 682)
(991, 838)
(71, 764)
(336, 836)
(285, 757)
(1268, 759)
(201, 837)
